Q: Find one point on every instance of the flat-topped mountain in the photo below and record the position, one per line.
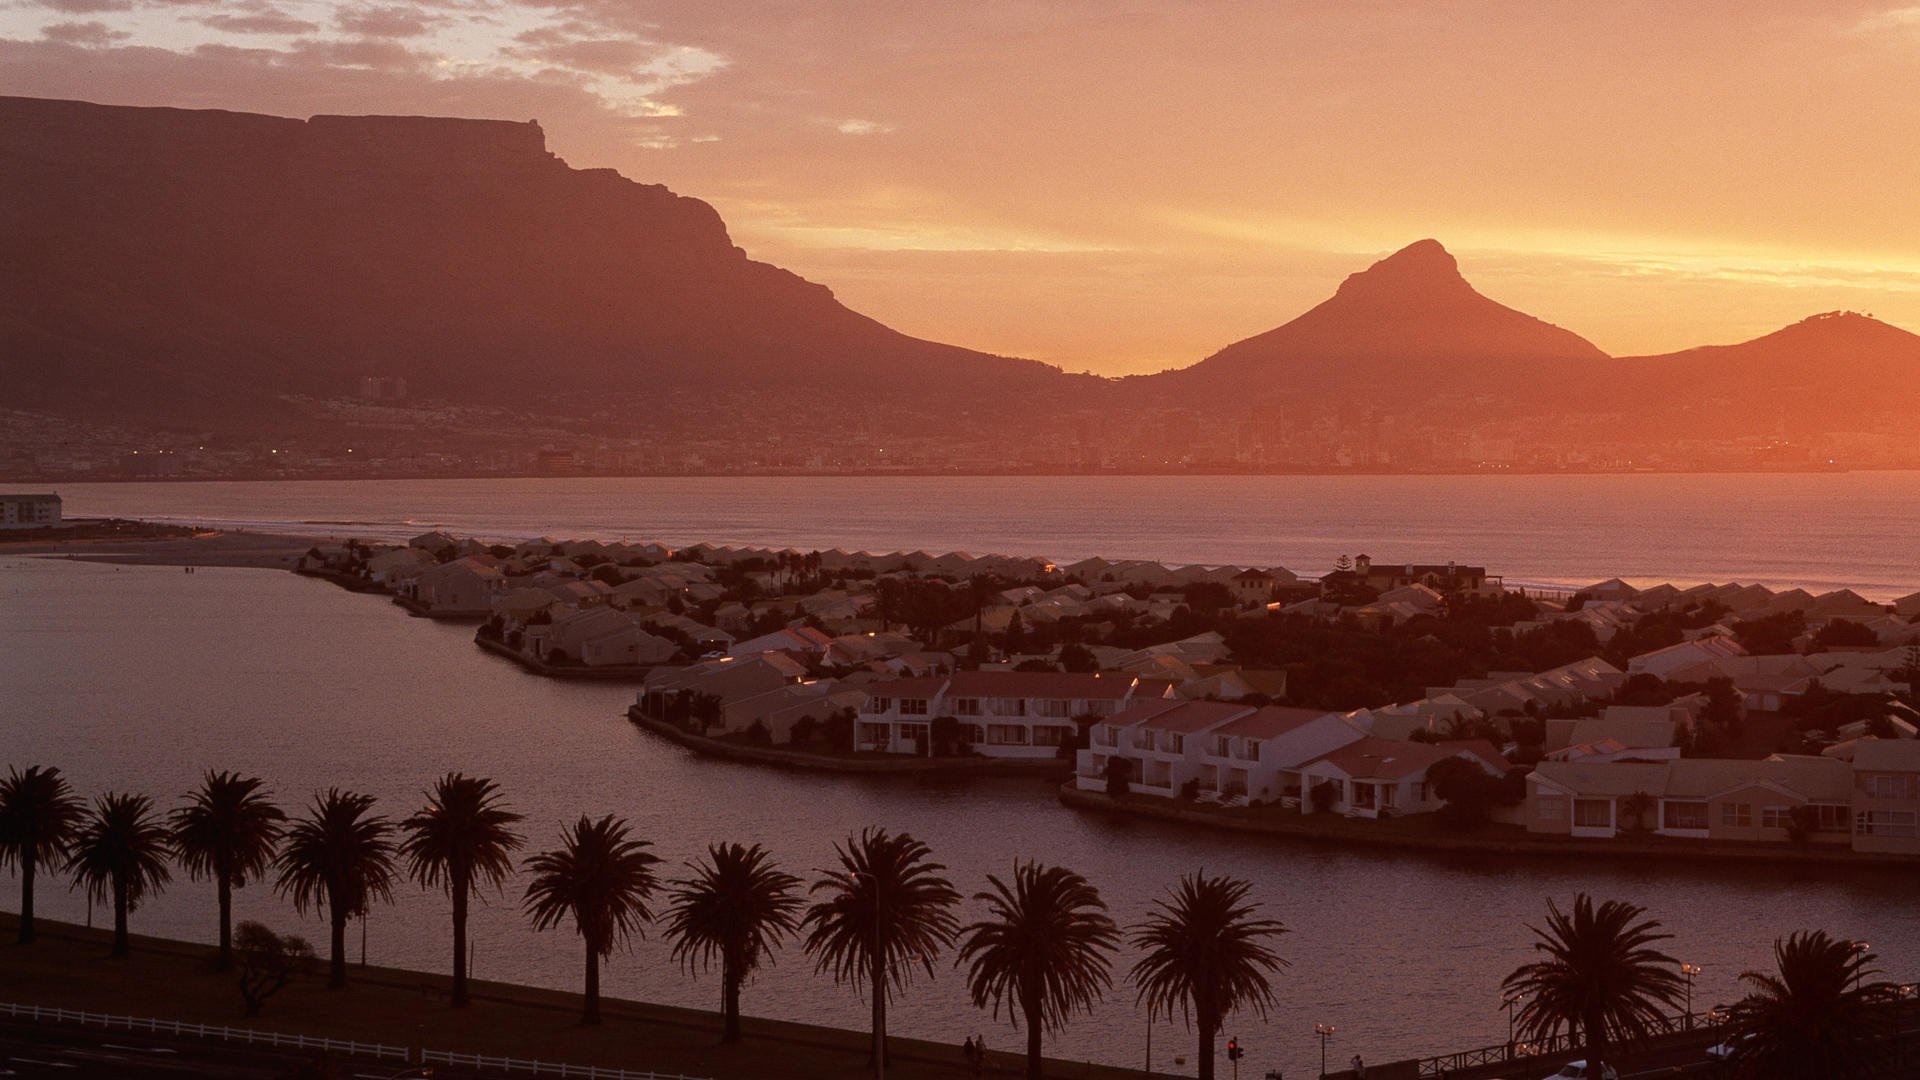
(201, 262)
(1409, 317)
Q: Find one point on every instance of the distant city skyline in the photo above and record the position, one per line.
(1125, 188)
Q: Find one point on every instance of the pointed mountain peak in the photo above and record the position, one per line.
(1421, 269)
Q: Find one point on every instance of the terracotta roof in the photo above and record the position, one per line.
(1385, 759)
(1272, 721)
(1194, 716)
(1040, 684)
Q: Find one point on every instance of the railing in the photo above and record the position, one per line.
(40, 1014)
(511, 1066)
(1554, 1046)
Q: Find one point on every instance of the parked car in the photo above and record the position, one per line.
(1728, 1047)
(1577, 1070)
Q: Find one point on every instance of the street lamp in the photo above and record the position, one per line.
(1510, 1003)
(1325, 1031)
(1689, 970)
(1858, 948)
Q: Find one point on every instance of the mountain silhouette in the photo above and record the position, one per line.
(1812, 374)
(208, 265)
(1409, 319)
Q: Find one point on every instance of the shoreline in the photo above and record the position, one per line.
(874, 765)
(239, 548)
(169, 979)
(1348, 834)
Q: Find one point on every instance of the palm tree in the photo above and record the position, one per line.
(1817, 1019)
(339, 856)
(885, 909)
(600, 877)
(1600, 978)
(1042, 950)
(735, 909)
(119, 853)
(37, 815)
(463, 836)
(227, 832)
(1206, 956)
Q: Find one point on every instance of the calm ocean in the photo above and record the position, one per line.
(1816, 530)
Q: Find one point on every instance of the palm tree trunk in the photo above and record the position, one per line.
(1596, 1032)
(27, 866)
(224, 888)
(1207, 1031)
(120, 944)
(459, 944)
(337, 958)
(730, 1005)
(592, 1014)
(1033, 1037)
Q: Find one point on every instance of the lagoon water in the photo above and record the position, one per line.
(1817, 530)
(142, 677)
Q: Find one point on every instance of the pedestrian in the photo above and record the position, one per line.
(1359, 1068)
(967, 1052)
(979, 1054)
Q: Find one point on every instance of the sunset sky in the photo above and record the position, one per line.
(1129, 186)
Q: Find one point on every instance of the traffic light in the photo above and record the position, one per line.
(1233, 1049)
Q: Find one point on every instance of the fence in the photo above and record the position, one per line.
(282, 1040)
(250, 1036)
(1557, 1046)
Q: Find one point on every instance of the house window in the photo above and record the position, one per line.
(1736, 815)
(879, 704)
(1887, 786)
(1006, 735)
(1593, 813)
(973, 733)
(1422, 791)
(1834, 817)
(1775, 817)
(966, 706)
(1363, 796)
(1055, 708)
(874, 734)
(1389, 796)
(1049, 735)
(1550, 808)
(1684, 815)
(913, 706)
(1886, 823)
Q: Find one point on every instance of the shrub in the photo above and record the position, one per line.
(268, 962)
(1119, 776)
(1323, 795)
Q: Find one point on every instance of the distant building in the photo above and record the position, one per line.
(29, 511)
(553, 462)
(383, 388)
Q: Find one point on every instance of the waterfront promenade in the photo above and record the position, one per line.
(171, 980)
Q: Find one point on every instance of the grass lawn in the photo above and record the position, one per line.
(68, 967)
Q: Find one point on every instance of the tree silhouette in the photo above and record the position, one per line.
(226, 832)
(38, 812)
(1599, 978)
(1816, 1017)
(734, 910)
(268, 962)
(462, 837)
(338, 855)
(885, 909)
(601, 878)
(1206, 956)
(1042, 951)
(119, 855)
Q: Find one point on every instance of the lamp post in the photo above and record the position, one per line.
(1858, 948)
(1689, 970)
(1325, 1031)
(1510, 1003)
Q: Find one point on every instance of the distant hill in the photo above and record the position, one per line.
(1818, 372)
(1408, 326)
(194, 264)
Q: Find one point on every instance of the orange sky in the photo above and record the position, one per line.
(1129, 186)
